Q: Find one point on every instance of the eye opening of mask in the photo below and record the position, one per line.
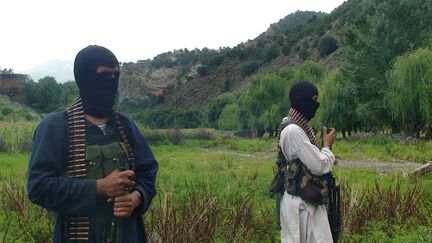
(109, 74)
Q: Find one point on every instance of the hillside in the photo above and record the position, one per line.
(190, 78)
(371, 60)
(62, 70)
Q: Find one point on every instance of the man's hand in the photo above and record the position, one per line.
(115, 184)
(125, 205)
(329, 137)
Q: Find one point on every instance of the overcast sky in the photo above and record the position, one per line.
(34, 32)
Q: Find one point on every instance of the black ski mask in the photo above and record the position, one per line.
(301, 100)
(97, 91)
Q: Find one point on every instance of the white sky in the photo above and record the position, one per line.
(36, 31)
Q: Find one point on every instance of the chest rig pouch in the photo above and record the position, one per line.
(101, 160)
(299, 181)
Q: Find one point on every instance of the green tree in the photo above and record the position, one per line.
(269, 53)
(266, 101)
(378, 32)
(215, 61)
(230, 118)
(217, 105)
(250, 68)
(337, 104)
(303, 53)
(409, 96)
(271, 117)
(202, 71)
(44, 95)
(309, 71)
(286, 49)
(266, 92)
(69, 93)
(6, 71)
(170, 117)
(327, 45)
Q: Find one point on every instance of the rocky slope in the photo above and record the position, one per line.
(179, 83)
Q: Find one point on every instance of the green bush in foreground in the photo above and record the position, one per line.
(200, 214)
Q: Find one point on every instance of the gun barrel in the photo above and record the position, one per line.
(334, 208)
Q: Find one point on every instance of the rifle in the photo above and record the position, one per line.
(334, 210)
(117, 226)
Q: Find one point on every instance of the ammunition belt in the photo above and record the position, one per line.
(78, 228)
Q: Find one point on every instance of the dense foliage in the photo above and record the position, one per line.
(383, 84)
(327, 45)
(47, 95)
(170, 118)
(375, 33)
(261, 107)
(13, 111)
(409, 96)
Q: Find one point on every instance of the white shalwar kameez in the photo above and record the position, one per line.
(302, 222)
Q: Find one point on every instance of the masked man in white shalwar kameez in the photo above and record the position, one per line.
(303, 221)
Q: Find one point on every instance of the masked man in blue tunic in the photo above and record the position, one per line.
(91, 165)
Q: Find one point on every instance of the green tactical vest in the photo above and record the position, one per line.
(298, 180)
(101, 160)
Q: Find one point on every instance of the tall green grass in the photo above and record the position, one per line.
(16, 136)
(197, 188)
(200, 168)
(379, 149)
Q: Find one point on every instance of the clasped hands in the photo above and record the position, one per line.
(115, 187)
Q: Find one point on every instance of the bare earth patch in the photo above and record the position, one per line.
(385, 167)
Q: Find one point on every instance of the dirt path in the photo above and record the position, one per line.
(405, 167)
(379, 165)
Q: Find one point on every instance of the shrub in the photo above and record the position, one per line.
(269, 53)
(202, 71)
(391, 206)
(303, 53)
(250, 68)
(286, 49)
(327, 45)
(198, 215)
(19, 216)
(6, 111)
(169, 118)
(215, 61)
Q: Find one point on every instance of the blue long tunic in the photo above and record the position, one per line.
(48, 187)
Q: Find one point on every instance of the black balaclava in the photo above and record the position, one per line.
(300, 97)
(97, 91)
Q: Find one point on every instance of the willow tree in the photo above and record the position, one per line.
(337, 104)
(409, 97)
(374, 34)
(230, 118)
(264, 92)
(266, 100)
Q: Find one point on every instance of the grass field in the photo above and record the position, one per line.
(222, 184)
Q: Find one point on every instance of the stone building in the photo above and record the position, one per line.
(13, 85)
